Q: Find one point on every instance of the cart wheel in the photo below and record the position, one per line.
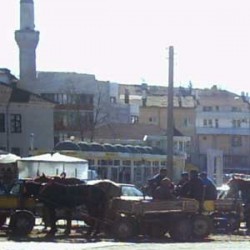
(181, 230)
(233, 222)
(21, 223)
(201, 226)
(124, 228)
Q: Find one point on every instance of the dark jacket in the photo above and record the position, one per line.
(194, 189)
(163, 193)
(210, 190)
(155, 182)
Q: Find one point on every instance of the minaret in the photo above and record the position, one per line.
(27, 39)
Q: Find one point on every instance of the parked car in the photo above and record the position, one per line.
(131, 192)
(123, 190)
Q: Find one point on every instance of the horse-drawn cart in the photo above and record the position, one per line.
(226, 214)
(17, 210)
(179, 218)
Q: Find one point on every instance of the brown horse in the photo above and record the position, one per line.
(55, 195)
(66, 181)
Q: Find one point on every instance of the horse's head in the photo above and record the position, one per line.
(42, 179)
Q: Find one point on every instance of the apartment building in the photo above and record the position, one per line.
(217, 122)
(82, 103)
(223, 124)
(153, 102)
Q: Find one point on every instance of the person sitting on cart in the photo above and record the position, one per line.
(155, 181)
(164, 191)
(184, 179)
(194, 188)
(210, 187)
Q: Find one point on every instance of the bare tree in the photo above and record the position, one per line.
(84, 122)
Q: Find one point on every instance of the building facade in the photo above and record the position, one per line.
(223, 124)
(26, 121)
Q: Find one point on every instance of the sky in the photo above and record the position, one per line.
(127, 41)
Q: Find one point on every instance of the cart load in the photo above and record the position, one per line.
(179, 218)
(156, 206)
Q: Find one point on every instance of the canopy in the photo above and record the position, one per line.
(52, 164)
(8, 158)
(53, 157)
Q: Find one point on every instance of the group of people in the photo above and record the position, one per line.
(191, 185)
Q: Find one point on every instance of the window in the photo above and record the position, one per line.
(2, 123)
(208, 123)
(91, 162)
(207, 108)
(112, 99)
(156, 163)
(187, 122)
(15, 123)
(236, 123)
(236, 141)
(116, 162)
(134, 119)
(216, 123)
(163, 163)
(236, 109)
(153, 120)
(126, 163)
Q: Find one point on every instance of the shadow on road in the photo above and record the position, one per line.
(78, 235)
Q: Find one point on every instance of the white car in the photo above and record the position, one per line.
(131, 192)
(127, 191)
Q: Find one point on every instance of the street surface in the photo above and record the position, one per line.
(77, 241)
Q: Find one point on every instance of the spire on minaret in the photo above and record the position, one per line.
(27, 39)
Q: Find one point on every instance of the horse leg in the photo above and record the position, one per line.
(52, 215)
(46, 218)
(98, 220)
(69, 219)
(97, 227)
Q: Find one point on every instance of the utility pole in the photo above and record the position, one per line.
(170, 116)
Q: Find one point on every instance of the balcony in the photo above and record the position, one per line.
(222, 131)
(222, 114)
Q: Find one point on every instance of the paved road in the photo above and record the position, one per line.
(107, 245)
(76, 241)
